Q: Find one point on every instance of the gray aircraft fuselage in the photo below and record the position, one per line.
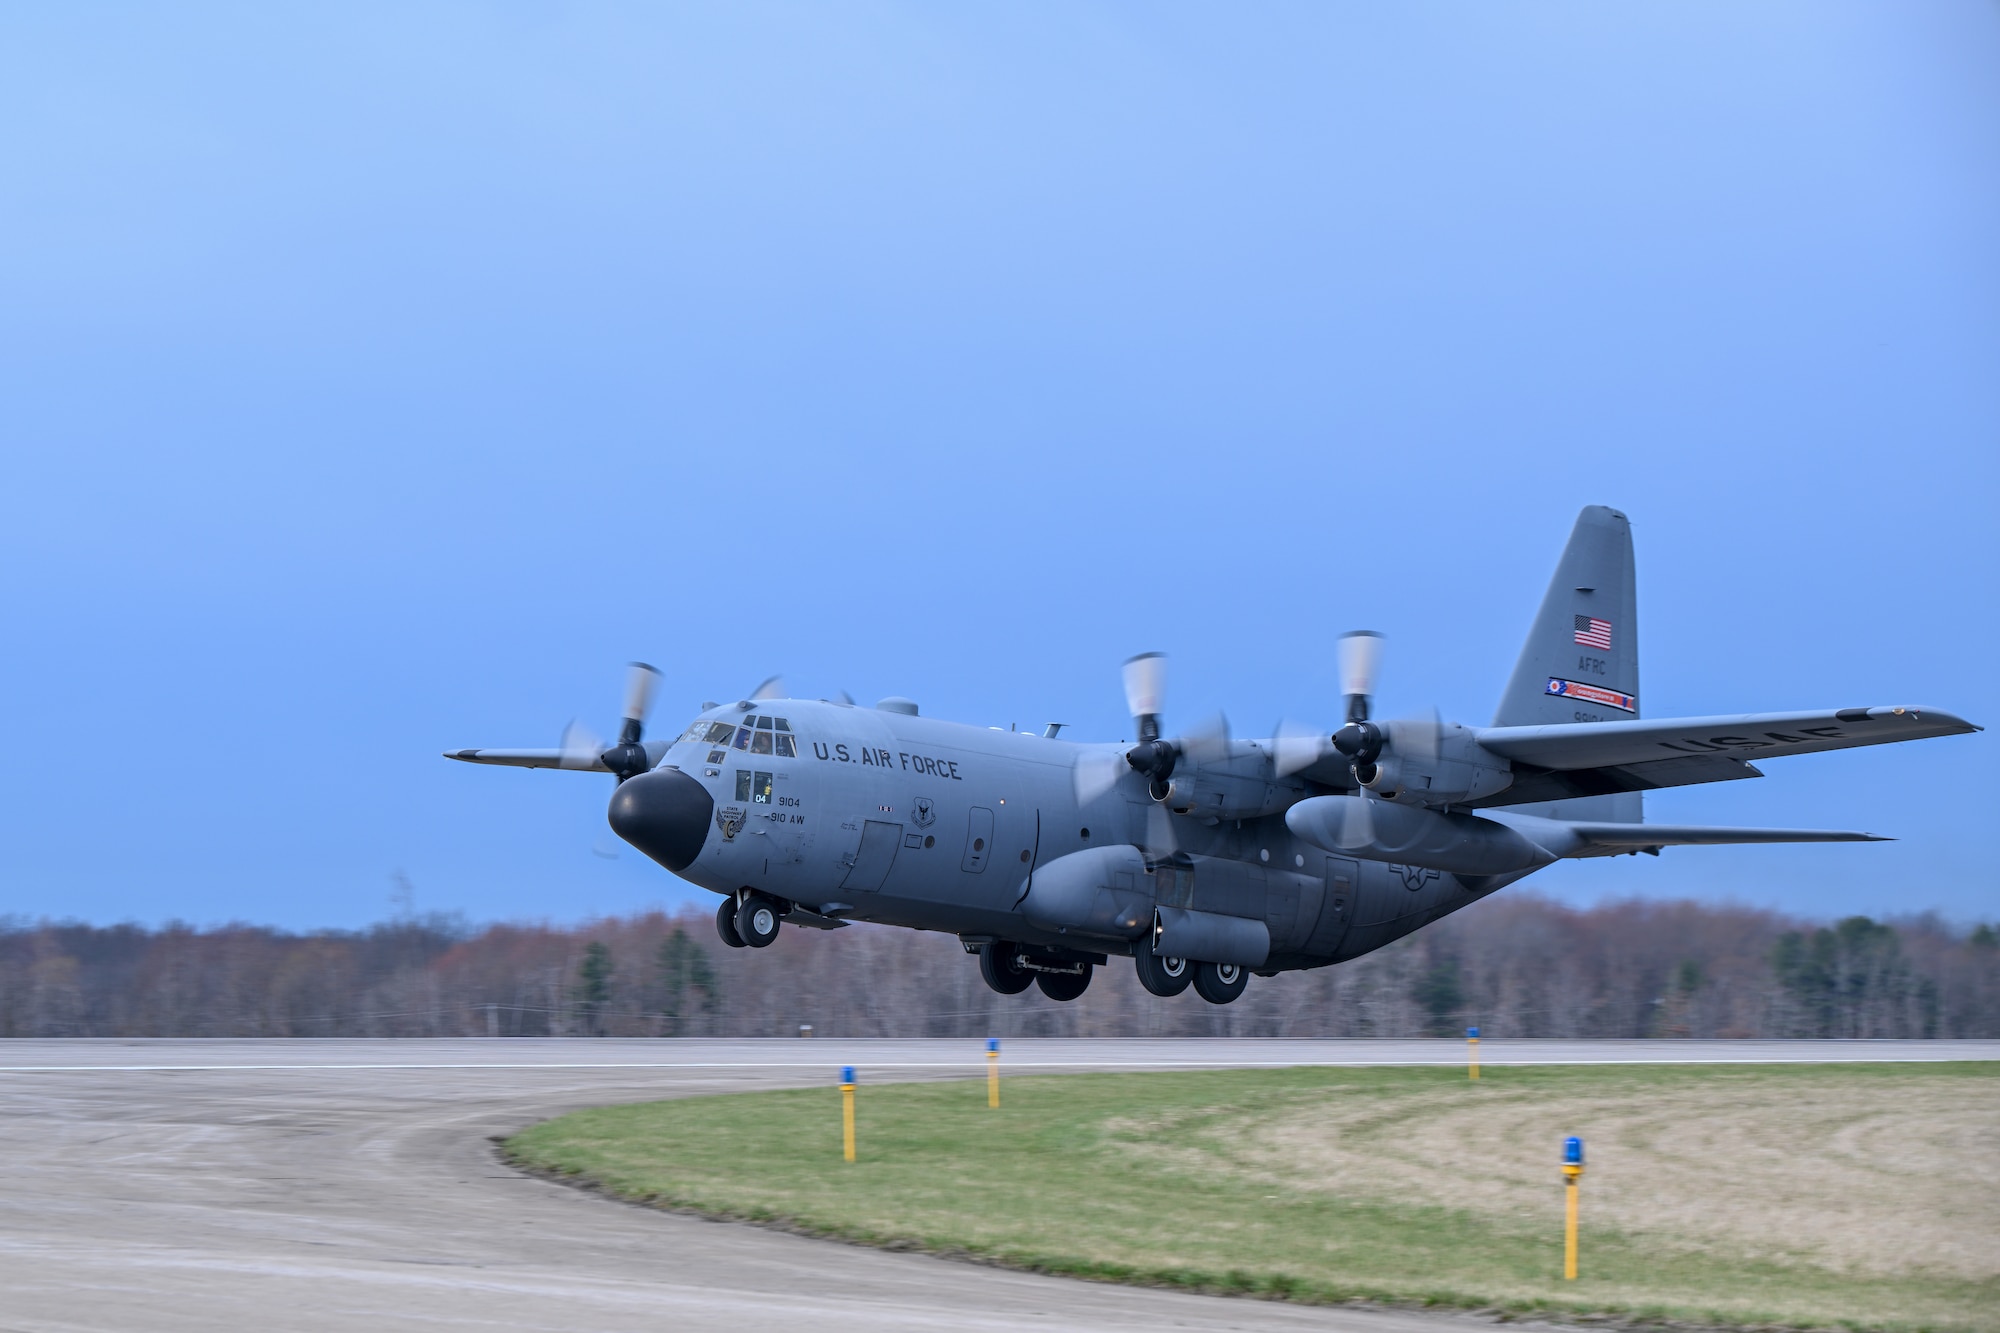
(911, 821)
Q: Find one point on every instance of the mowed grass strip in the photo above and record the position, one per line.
(1853, 1196)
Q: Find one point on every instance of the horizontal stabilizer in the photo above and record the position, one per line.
(1743, 736)
(588, 763)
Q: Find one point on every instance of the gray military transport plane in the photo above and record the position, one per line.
(1202, 857)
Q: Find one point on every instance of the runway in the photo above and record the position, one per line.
(343, 1185)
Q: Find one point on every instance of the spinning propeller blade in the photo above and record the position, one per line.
(580, 746)
(1146, 691)
(1417, 736)
(1294, 746)
(1097, 772)
(1160, 840)
(1357, 821)
(1360, 658)
(639, 686)
(1207, 741)
(772, 688)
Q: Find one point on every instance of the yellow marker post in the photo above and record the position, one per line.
(847, 1112)
(1472, 1045)
(993, 1072)
(1572, 1174)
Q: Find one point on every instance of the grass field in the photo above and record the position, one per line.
(1863, 1196)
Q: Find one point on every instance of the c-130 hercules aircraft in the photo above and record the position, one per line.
(1203, 858)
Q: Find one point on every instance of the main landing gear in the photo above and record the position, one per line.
(1165, 977)
(1219, 983)
(752, 920)
(1010, 969)
(1064, 975)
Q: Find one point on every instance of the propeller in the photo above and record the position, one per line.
(1297, 745)
(581, 747)
(1363, 740)
(1097, 771)
(1145, 691)
(772, 688)
(1360, 740)
(1357, 821)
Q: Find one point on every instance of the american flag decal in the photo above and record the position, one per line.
(1593, 633)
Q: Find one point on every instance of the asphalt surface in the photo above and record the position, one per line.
(323, 1185)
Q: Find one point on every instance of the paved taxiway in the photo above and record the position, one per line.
(337, 1185)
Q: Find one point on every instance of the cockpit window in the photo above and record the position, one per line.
(714, 733)
(761, 734)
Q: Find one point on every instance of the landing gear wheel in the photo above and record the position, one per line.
(725, 924)
(1219, 983)
(1064, 985)
(1162, 976)
(757, 921)
(1000, 965)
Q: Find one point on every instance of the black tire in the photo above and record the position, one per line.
(1064, 985)
(1220, 983)
(757, 921)
(1000, 966)
(1165, 977)
(725, 923)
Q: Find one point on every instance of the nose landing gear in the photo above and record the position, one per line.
(751, 919)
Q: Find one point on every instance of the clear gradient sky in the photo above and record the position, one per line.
(379, 380)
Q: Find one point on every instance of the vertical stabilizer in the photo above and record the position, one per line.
(1581, 661)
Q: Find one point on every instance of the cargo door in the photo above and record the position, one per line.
(870, 861)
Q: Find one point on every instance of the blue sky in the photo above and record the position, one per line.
(377, 381)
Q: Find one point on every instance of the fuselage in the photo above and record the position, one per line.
(877, 815)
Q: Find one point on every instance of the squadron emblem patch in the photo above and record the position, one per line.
(923, 812)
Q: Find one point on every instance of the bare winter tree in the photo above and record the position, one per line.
(1516, 965)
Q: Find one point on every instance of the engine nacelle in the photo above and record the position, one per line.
(1458, 769)
(1207, 795)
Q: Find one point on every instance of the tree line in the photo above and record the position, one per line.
(1516, 966)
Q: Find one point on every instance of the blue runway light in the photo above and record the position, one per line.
(1572, 1151)
(993, 1044)
(1472, 1034)
(847, 1073)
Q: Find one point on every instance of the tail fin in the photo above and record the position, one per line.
(1581, 661)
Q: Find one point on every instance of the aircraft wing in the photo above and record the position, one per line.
(588, 763)
(1736, 738)
(1571, 838)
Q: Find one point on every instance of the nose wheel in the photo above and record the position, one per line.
(757, 920)
(725, 924)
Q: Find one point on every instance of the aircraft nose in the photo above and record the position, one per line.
(664, 814)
